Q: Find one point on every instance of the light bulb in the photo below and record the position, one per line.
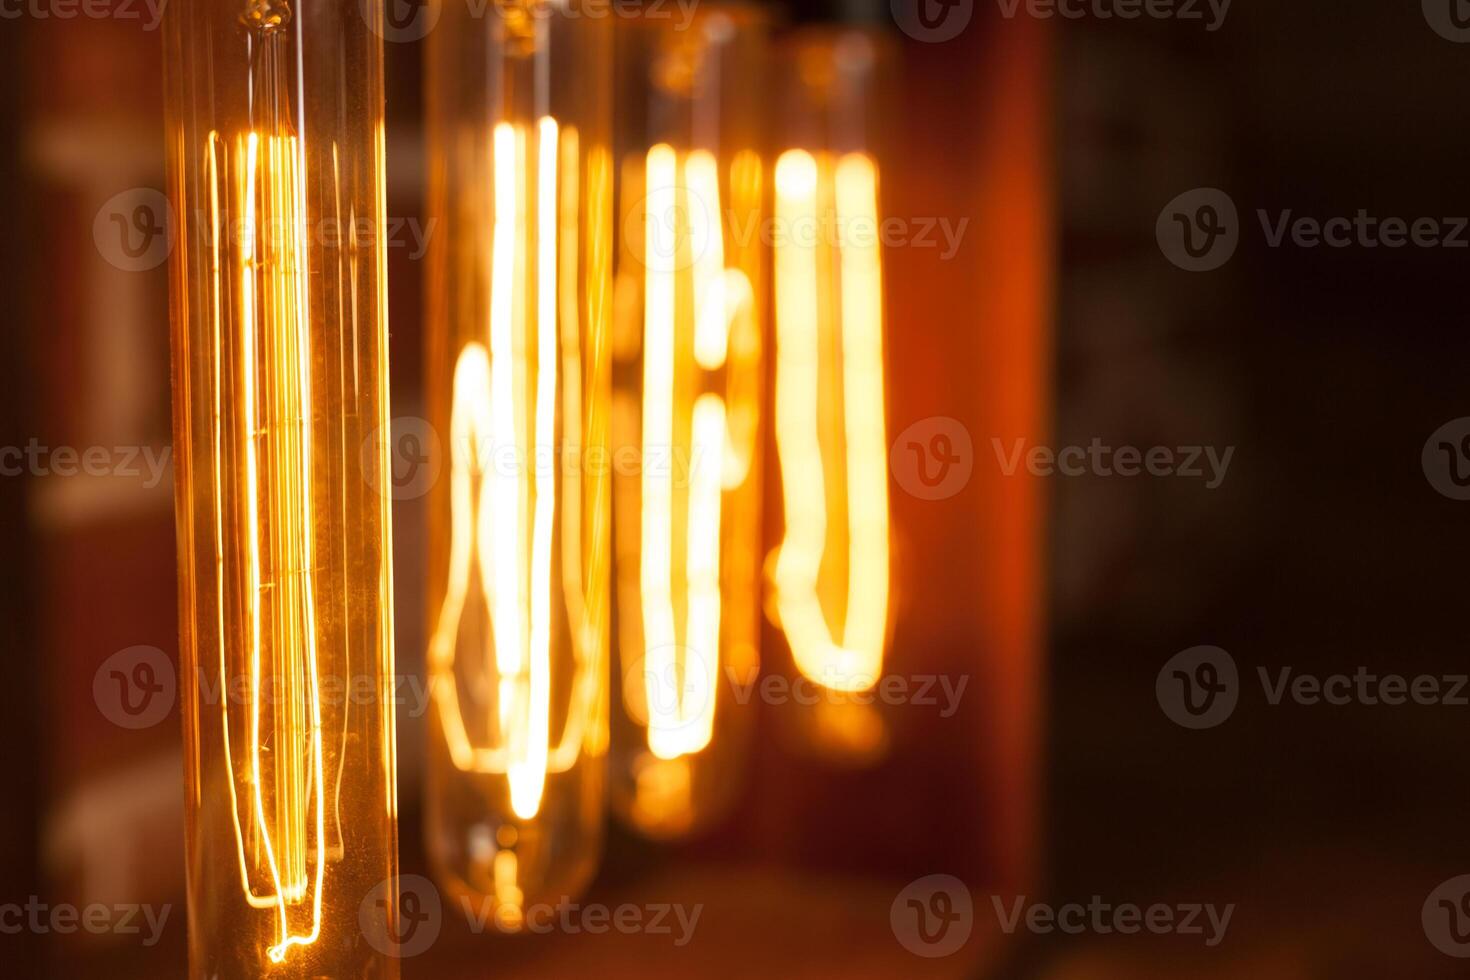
(831, 574)
(519, 556)
(280, 404)
(687, 360)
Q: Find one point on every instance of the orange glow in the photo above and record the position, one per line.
(680, 674)
(505, 529)
(281, 440)
(517, 655)
(829, 359)
(281, 848)
(687, 519)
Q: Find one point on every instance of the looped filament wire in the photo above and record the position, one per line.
(810, 338)
(681, 681)
(502, 522)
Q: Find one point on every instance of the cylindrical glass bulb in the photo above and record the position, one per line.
(280, 403)
(687, 359)
(519, 547)
(831, 584)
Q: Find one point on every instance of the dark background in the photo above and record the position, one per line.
(1325, 549)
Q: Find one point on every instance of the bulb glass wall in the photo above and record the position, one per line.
(280, 392)
(831, 574)
(519, 556)
(687, 360)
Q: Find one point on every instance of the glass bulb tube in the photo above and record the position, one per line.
(275, 133)
(519, 555)
(831, 574)
(687, 360)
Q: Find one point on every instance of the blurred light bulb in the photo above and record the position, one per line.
(687, 350)
(831, 573)
(519, 549)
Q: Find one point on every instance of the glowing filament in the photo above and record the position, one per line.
(503, 487)
(680, 681)
(281, 846)
(810, 339)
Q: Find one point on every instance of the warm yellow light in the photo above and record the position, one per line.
(695, 412)
(681, 679)
(687, 355)
(518, 541)
(286, 437)
(282, 493)
(507, 526)
(831, 360)
(281, 844)
(282, 488)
